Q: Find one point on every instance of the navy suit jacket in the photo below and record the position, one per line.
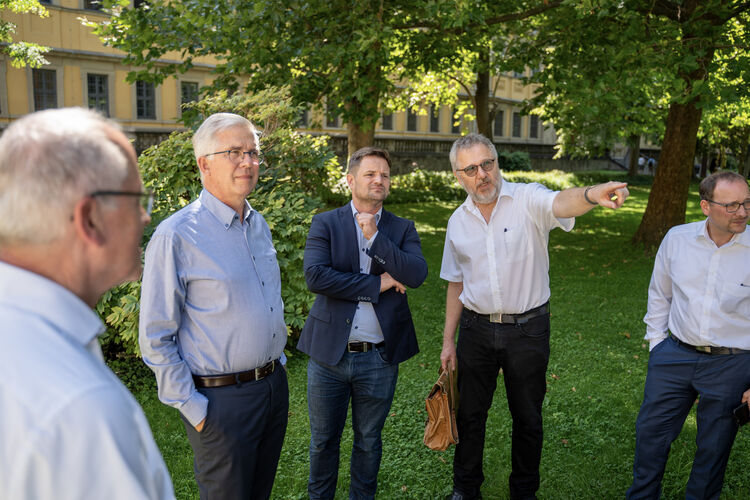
(332, 272)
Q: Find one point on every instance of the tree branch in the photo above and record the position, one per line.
(468, 91)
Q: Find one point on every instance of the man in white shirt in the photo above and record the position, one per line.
(496, 262)
(72, 213)
(698, 328)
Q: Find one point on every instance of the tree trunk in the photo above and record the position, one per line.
(358, 137)
(668, 197)
(634, 142)
(482, 96)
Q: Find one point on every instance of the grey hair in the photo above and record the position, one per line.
(468, 141)
(48, 161)
(204, 139)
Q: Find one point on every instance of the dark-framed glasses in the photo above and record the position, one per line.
(733, 206)
(146, 198)
(471, 170)
(236, 155)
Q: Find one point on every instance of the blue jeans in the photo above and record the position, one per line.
(369, 381)
(676, 376)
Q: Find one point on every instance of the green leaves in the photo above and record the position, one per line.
(22, 53)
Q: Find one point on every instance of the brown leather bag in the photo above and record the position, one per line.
(440, 429)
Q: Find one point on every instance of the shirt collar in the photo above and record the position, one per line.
(742, 238)
(377, 214)
(42, 297)
(221, 210)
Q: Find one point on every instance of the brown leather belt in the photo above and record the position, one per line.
(362, 346)
(205, 381)
(514, 319)
(710, 349)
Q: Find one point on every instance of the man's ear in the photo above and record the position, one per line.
(87, 221)
(704, 207)
(203, 165)
(349, 180)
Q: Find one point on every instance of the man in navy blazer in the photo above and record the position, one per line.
(359, 260)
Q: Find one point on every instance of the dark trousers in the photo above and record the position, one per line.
(676, 376)
(522, 351)
(236, 453)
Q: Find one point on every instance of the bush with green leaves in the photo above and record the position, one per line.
(515, 161)
(293, 186)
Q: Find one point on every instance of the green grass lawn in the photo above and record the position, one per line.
(595, 381)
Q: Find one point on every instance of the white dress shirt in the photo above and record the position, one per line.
(503, 264)
(69, 429)
(365, 324)
(699, 291)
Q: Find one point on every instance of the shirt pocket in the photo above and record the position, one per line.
(517, 244)
(735, 299)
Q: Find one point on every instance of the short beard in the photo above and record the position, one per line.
(482, 199)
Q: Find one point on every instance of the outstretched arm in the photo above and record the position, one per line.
(573, 202)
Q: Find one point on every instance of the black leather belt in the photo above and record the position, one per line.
(514, 319)
(710, 349)
(362, 346)
(205, 381)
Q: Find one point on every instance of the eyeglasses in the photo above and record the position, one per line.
(146, 199)
(237, 155)
(471, 170)
(733, 206)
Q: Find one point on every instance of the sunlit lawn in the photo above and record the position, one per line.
(595, 380)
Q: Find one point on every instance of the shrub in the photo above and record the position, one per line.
(293, 185)
(517, 160)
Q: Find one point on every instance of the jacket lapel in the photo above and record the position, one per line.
(350, 236)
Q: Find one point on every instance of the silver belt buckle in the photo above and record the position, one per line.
(496, 318)
(703, 348)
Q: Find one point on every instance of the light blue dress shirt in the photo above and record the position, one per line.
(69, 429)
(365, 325)
(210, 301)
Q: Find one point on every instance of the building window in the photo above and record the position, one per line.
(434, 119)
(188, 92)
(145, 100)
(386, 121)
(455, 122)
(411, 120)
(92, 4)
(497, 129)
(303, 119)
(45, 88)
(534, 126)
(98, 95)
(516, 124)
(331, 120)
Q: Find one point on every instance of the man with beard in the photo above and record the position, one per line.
(497, 267)
(697, 326)
(359, 259)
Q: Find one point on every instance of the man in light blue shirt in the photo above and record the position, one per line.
(212, 319)
(72, 212)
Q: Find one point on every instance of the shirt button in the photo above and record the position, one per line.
(348, 321)
(226, 225)
(360, 269)
(263, 283)
(356, 328)
(274, 335)
(272, 309)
